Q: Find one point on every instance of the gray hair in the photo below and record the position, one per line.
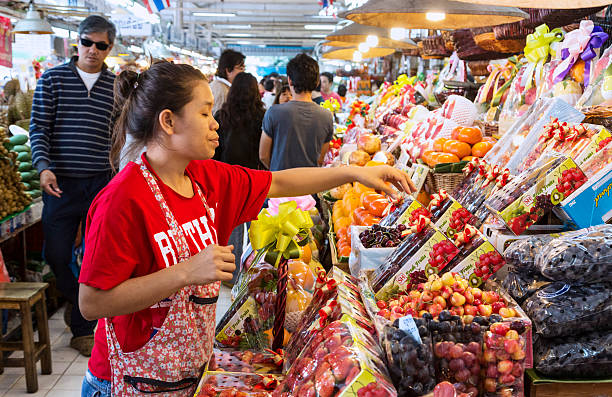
(98, 24)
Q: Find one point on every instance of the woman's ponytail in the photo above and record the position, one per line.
(125, 84)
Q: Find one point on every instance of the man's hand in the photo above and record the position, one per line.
(377, 178)
(48, 182)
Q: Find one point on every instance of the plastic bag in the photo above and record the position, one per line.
(563, 310)
(586, 356)
(521, 286)
(583, 256)
(246, 361)
(215, 384)
(599, 160)
(409, 358)
(521, 254)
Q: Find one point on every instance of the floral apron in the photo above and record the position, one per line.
(170, 363)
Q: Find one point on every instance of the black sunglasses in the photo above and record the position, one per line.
(100, 45)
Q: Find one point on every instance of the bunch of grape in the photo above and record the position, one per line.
(379, 236)
(543, 202)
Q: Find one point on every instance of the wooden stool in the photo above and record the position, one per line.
(22, 297)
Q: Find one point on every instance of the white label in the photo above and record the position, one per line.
(407, 325)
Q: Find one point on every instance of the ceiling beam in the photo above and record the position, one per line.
(270, 19)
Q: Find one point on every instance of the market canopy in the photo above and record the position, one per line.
(431, 14)
(356, 33)
(347, 53)
(556, 4)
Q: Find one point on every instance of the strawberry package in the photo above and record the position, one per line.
(338, 364)
(246, 361)
(477, 259)
(530, 195)
(448, 215)
(425, 251)
(504, 354)
(403, 213)
(219, 384)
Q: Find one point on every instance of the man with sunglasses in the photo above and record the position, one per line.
(70, 136)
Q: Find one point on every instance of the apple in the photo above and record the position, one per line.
(440, 301)
(489, 297)
(505, 366)
(427, 296)
(458, 286)
(485, 310)
(471, 310)
(457, 310)
(446, 292)
(497, 306)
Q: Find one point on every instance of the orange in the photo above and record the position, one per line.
(306, 253)
(444, 158)
(459, 149)
(342, 222)
(481, 148)
(469, 135)
(467, 158)
(438, 145)
(577, 72)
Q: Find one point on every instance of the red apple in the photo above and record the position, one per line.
(497, 306)
(469, 297)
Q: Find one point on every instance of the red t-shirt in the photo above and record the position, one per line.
(331, 95)
(127, 236)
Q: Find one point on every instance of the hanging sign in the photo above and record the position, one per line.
(6, 47)
(128, 25)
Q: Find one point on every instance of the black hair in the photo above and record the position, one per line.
(279, 92)
(140, 98)
(304, 73)
(228, 61)
(98, 24)
(274, 74)
(269, 85)
(342, 90)
(330, 77)
(243, 103)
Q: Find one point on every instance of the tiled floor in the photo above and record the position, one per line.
(68, 365)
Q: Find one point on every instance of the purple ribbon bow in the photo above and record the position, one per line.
(598, 37)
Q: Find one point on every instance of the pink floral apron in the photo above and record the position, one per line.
(170, 363)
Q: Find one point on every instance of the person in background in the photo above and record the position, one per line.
(159, 234)
(342, 93)
(268, 96)
(260, 87)
(283, 95)
(316, 95)
(230, 64)
(327, 82)
(239, 130)
(70, 136)
(297, 133)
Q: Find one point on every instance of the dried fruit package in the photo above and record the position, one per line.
(457, 353)
(247, 322)
(521, 286)
(337, 364)
(530, 195)
(585, 356)
(217, 384)
(582, 256)
(245, 361)
(504, 353)
(560, 309)
(420, 254)
(410, 358)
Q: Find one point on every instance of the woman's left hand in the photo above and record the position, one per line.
(379, 176)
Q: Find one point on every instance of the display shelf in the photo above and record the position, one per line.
(541, 386)
(19, 222)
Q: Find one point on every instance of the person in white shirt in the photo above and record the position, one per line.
(230, 64)
(268, 96)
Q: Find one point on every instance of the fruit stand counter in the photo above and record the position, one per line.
(539, 386)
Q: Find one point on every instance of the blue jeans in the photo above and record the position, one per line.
(95, 387)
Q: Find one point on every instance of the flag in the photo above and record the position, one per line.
(154, 6)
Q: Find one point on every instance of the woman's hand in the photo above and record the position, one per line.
(379, 176)
(213, 263)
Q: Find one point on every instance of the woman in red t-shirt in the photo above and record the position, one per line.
(156, 235)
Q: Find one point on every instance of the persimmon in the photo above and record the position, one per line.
(468, 158)
(360, 188)
(370, 196)
(469, 135)
(351, 200)
(344, 221)
(428, 157)
(358, 216)
(342, 233)
(438, 144)
(344, 252)
(444, 158)
(370, 220)
(459, 149)
(377, 207)
(481, 148)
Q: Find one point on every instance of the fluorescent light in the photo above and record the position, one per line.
(228, 26)
(239, 35)
(398, 33)
(357, 56)
(318, 36)
(372, 40)
(319, 27)
(243, 42)
(363, 47)
(213, 14)
(435, 16)
(324, 16)
(347, 67)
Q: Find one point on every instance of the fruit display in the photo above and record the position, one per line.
(379, 236)
(585, 356)
(516, 203)
(410, 357)
(465, 143)
(407, 212)
(521, 286)
(582, 256)
(245, 361)
(504, 352)
(338, 363)
(521, 254)
(221, 384)
(14, 195)
(559, 309)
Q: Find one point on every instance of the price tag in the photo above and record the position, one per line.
(407, 325)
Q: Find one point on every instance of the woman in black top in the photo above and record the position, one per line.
(240, 121)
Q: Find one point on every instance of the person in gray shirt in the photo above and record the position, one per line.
(297, 133)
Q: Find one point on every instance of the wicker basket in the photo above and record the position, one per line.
(467, 49)
(446, 181)
(490, 43)
(447, 35)
(434, 46)
(600, 115)
(479, 68)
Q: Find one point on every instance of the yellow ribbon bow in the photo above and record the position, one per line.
(276, 232)
(538, 43)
